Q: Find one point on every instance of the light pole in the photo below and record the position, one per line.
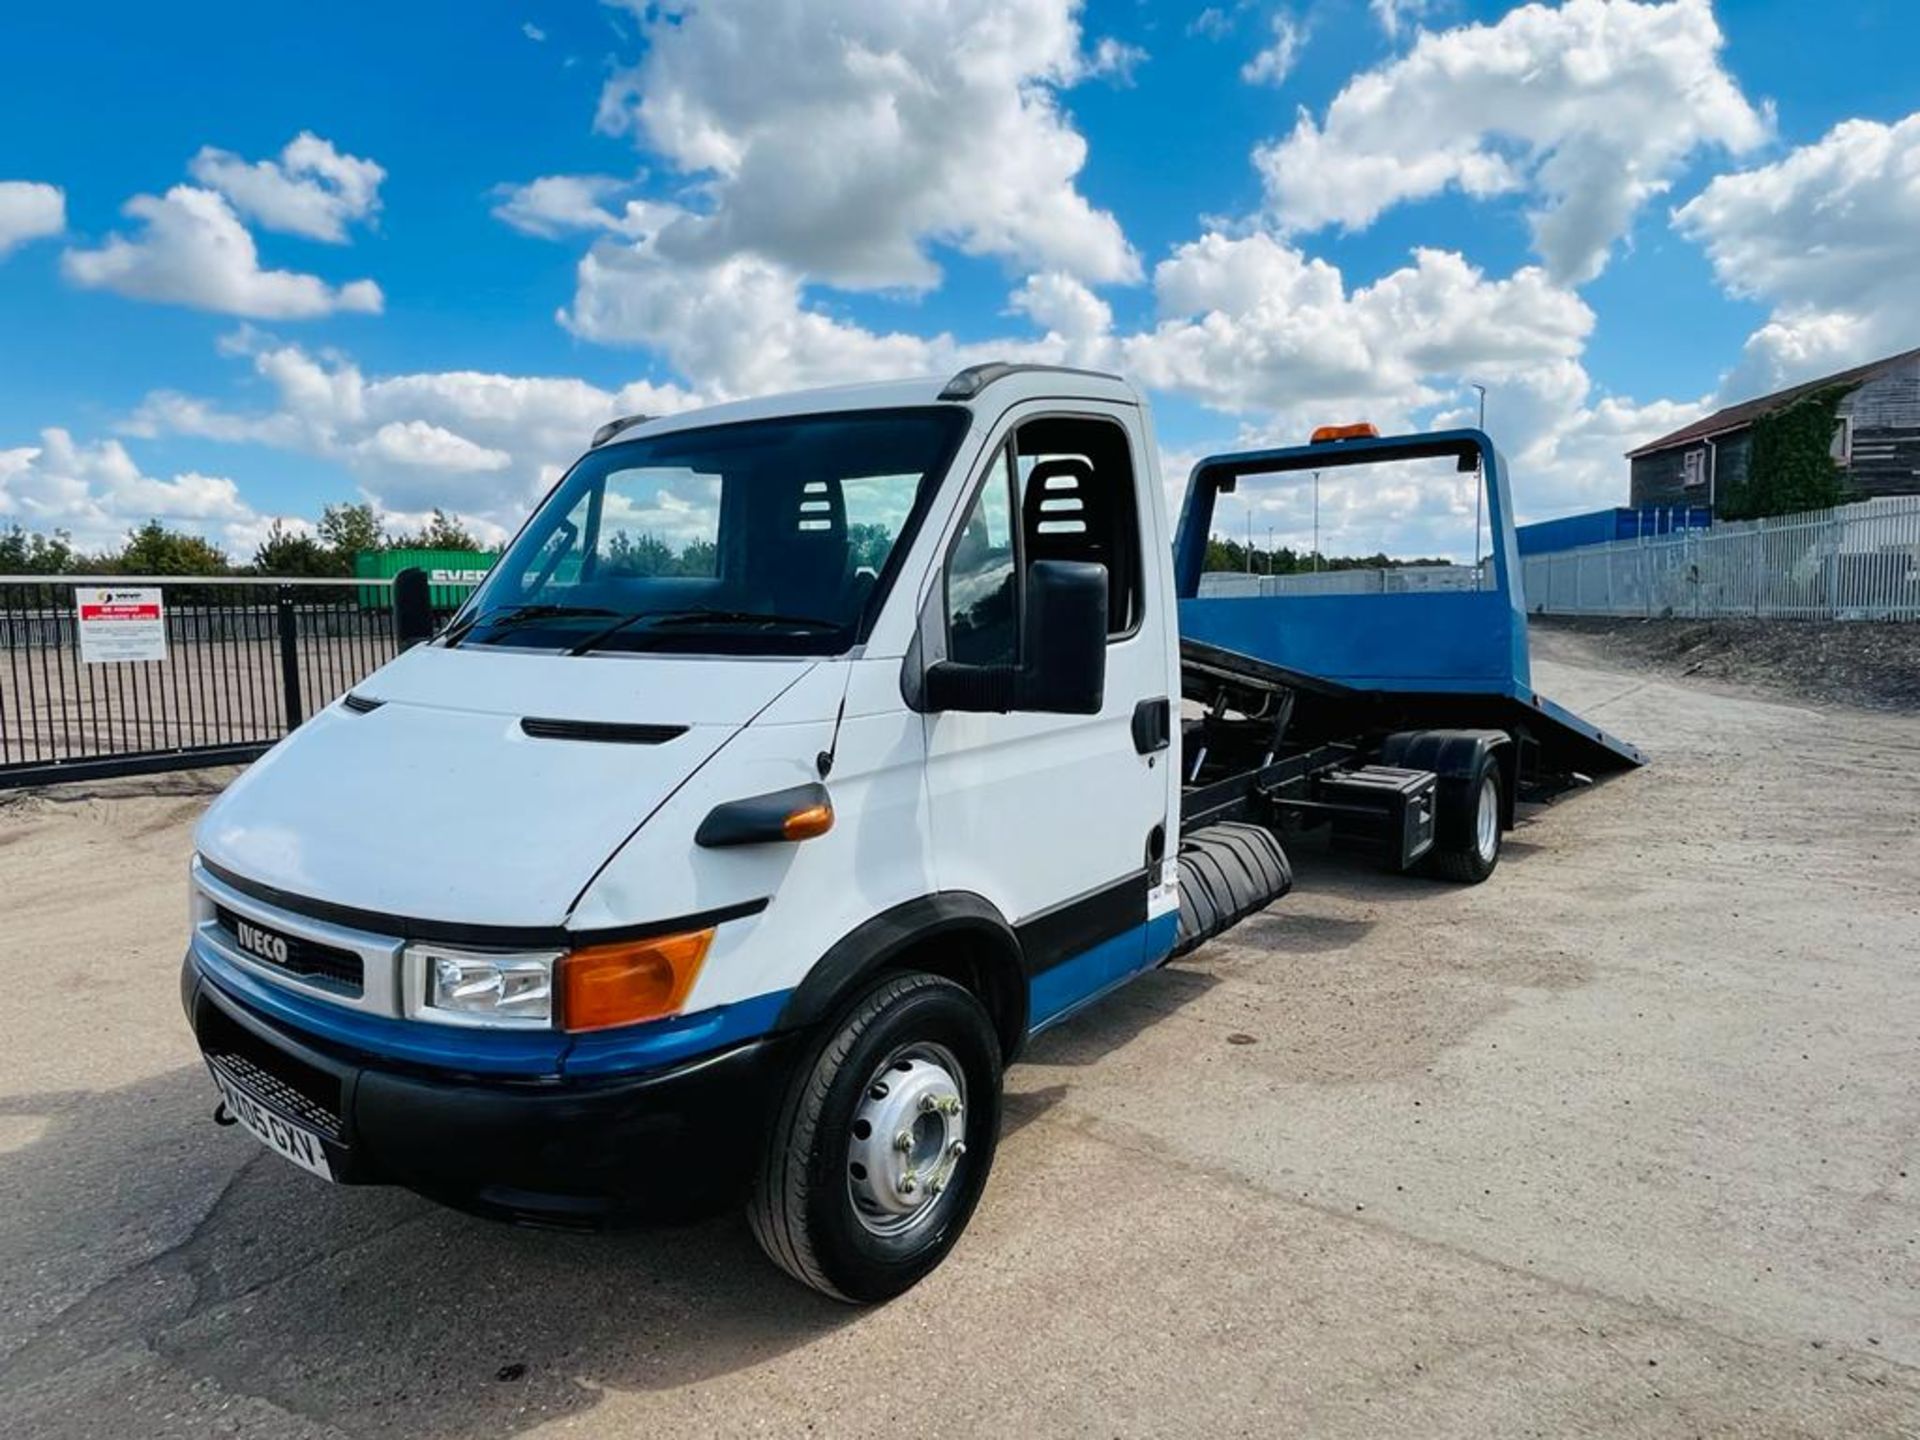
(1316, 522)
(1479, 489)
(1249, 505)
(1269, 549)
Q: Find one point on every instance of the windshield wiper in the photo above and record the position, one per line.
(514, 615)
(704, 615)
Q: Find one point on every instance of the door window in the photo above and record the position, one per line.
(982, 578)
(1077, 503)
(1062, 489)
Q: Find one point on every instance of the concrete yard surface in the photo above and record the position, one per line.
(1625, 1141)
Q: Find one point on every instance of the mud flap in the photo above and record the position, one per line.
(1228, 871)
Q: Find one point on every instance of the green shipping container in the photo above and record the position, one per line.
(451, 574)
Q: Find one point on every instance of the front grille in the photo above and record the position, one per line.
(325, 966)
(296, 1089)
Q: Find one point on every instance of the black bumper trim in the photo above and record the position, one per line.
(663, 1144)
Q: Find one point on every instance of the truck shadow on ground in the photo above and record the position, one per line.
(136, 1227)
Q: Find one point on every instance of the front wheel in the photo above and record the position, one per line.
(883, 1143)
(1471, 848)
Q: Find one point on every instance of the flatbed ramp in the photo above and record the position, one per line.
(1374, 663)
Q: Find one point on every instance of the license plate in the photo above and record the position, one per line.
(271, 1129)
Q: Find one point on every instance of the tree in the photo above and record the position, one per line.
(346, 530)
(640, 557)
(25, 552)
(155, 550)
(442, 532)
(701, 559)
(868, 545)
(292, 552)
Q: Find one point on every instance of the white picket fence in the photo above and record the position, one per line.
(1856, 562)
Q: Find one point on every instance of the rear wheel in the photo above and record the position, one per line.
(883, 1142)
(1468, 846)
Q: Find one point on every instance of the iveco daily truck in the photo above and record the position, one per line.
(799, 761)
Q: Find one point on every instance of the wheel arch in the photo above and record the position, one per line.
(953, 933)
(1455, 756)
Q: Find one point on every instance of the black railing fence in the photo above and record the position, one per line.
(245, 661)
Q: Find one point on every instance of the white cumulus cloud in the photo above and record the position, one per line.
(193, 250)
(1114, 59)
(311, 190)
(1827, 236)
(431, 447)
(1391, 15)
(95, 492)
(29, 210)
(1272, 65)
(554, 205)
(1587, 109)
(840, 139)
(736, 326)
(485, 445)
(1253, 324)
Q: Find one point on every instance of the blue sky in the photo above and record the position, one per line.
(1628, 211)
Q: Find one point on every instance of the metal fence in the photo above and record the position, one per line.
(235, 665)
(1856, 562)
(1385, 580)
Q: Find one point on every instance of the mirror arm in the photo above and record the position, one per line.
(992, 688)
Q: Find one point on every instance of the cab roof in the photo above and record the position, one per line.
(988, 387)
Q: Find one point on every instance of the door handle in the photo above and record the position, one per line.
(1152, 727)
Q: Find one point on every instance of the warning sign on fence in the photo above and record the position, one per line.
(121, 625)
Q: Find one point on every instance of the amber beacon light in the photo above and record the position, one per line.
(1361, 431)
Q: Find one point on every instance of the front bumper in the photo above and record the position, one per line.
(666, 1143)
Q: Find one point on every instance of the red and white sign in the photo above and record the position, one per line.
(118, 625)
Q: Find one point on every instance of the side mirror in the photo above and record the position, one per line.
(412, 608)
(1064, 643)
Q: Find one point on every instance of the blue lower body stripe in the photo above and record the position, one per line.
(1058, 991)
(627, 1050)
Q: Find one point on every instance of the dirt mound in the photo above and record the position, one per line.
(1872, 665)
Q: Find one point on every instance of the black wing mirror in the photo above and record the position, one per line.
(1064, 645)
(412, 608)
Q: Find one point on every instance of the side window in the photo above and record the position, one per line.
(877, 507)
(982, 580)
(1077, 502)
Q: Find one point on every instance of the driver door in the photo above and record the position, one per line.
(1061, 821)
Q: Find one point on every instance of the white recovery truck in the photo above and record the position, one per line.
(799, 761)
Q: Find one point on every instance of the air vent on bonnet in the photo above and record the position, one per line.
(606, 732)
(360, 704)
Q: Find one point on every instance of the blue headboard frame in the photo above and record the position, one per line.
(1464, 641)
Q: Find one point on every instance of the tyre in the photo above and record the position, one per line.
(883, 1142)
(1467, 847)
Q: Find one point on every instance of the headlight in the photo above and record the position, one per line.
(473, 987)
(593, 988)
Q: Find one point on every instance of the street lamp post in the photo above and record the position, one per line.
(1316, 522)
(1479, 490)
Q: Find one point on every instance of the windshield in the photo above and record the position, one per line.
(769, 537)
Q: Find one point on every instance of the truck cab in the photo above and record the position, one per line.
(799, 760)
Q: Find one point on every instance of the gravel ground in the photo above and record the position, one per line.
(1874, 665)
(1621, 1143)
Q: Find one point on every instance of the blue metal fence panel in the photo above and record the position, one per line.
(1603, 527)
